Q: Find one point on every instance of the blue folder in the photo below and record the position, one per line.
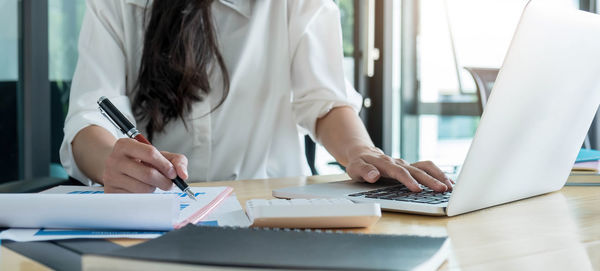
(587, 155)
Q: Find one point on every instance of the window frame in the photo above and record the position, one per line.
(33, 90)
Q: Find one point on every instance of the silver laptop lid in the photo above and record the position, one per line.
(540, 109)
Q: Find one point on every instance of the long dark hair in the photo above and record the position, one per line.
(180, 46)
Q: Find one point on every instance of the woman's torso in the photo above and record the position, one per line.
(253, 134)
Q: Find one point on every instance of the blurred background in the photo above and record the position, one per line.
(408, 59)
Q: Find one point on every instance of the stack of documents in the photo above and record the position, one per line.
(588, 161)
(86, 212)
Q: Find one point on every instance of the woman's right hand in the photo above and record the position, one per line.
(135, 167)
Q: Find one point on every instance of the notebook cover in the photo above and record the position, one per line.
(60, 254)
(250, 247)
(586, 155)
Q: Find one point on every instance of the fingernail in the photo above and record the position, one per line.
(372, 175)
(172, 174)
(186, 172)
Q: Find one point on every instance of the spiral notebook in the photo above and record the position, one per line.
(196, 247)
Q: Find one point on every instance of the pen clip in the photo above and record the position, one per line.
(109, 119)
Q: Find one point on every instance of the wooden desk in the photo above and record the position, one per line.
(557, 231)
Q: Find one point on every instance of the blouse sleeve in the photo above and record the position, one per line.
(100, 71)
(317, 74)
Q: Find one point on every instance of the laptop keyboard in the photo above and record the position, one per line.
(401, 193)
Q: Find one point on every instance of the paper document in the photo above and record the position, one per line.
(85, 209)
(228, 213)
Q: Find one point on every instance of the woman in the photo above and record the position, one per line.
(227, 84)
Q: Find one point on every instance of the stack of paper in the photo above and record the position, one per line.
(588, 161)
(86, 212)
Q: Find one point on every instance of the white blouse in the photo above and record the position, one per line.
(284, 59)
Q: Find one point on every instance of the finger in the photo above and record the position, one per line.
(179, 161)
(360, 170)
(434, 171)
(146, 153)
(131, 185)
(431, 169)
(401, 161)
(426, 179)
(145, 173)
(449, 184)
(390, 169)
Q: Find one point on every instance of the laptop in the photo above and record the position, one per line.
(536, 118)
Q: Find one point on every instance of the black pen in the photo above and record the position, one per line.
(122, 123)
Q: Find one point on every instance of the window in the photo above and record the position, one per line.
(324, 162)
(454, 35)
(457, 34)
(9, 77)
(64, 21)
(440, 38)
(26, 101)
(347, 20)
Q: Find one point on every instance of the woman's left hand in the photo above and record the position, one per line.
(370, 164)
